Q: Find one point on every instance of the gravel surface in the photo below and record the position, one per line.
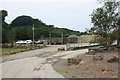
(89, 68)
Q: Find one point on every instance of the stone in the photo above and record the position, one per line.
(98, 57)
(91, 52)
(61, 49)
(113, 59)
(100, 50)
(82, 62)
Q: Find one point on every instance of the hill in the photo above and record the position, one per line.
(21, 27)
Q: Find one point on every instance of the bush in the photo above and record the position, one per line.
(74, 60)
(6, 45)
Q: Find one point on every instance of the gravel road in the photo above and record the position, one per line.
(35, 64)
(50, 48)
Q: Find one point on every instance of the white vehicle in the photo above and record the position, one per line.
(19, 42)
(24, 42)
(39, 41)
(28, 41)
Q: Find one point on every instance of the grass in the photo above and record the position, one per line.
(6, 51)
(19, 48)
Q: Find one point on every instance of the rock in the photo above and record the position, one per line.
(98, 57)
(13, 53)
(61, 49)
(100, 50)
(113, 59)
(82, 62)
(49, 58)
(70, 49)
(91, 52)
(74, 60)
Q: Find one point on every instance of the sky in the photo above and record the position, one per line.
(71, 14)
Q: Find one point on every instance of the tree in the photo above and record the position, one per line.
(4, 14)
(22, 21)
(11, 36)
(105, 22)
(22, 33)
(5, 26)
(21, 29)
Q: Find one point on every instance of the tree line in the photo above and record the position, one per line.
(21, 29)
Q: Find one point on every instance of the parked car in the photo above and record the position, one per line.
(39, 42)
(24, 42)
(28, 41)
(19, 42)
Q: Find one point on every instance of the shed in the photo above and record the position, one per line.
(72, 38)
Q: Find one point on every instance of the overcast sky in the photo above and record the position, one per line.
(71, 14)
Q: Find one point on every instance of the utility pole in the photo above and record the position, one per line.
(50, 38)
(33, 33)
(9, 26)
(62, 38)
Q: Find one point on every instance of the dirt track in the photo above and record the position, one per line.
(35, 64)
(51, 49)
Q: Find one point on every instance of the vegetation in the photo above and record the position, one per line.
(6, 51)
(106, 23)
(21, 29)
(20, 48)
